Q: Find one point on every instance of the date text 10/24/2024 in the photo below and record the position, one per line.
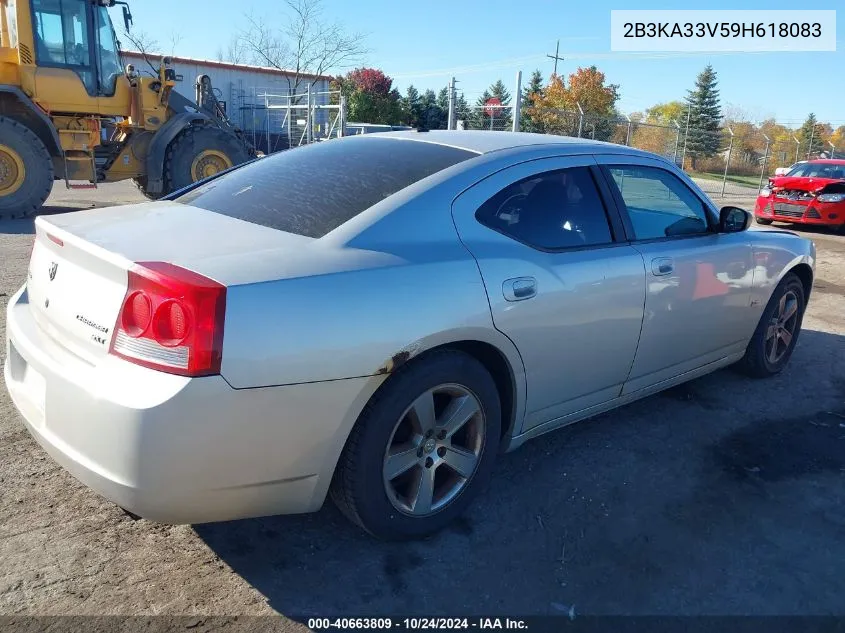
(417, 624)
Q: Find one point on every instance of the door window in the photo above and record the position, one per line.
(108, 56)
(62, 38)
(658, 203)
(553, 210)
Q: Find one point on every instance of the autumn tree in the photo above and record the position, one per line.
(657, 129)
(781, 143)
(704, 137)
(666, 113)
(557, 107)
(370, 96)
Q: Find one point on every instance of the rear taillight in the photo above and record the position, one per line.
(171, 320)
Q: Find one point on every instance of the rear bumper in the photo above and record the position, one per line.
(176, 449)
(811, 213)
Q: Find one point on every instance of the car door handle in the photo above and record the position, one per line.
(519, 288)
(662, 266)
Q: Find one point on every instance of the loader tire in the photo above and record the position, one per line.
(26, 170)
(198, 153)
(141, 183)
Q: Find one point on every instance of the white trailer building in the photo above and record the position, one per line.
(256, 99)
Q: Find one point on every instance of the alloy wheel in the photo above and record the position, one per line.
(434, 450)
(781, 328)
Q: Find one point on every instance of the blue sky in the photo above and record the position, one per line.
(479, 41)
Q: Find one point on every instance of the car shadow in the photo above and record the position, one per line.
(722, 495)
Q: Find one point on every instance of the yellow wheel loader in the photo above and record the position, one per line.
(70, 110)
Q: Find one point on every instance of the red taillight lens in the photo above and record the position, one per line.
(171, 320)
(171, 323)
(136, 314)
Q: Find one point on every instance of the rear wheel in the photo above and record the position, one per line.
(770, 348)
(421, 449)
(26, 170)
(762, 221)
(200, 152)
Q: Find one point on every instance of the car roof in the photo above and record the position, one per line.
(825, 161)
(484, 142)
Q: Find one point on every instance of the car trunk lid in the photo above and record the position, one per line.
(79, 266)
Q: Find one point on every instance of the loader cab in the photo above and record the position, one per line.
(76, 36)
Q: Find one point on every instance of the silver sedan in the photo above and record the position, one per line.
(377, 318)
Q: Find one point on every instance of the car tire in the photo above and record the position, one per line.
(759, 360)
(762, 221)
(390, 423)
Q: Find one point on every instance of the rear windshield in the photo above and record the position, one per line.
(314, 189)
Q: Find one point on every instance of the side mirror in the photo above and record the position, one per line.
(733, 220)
(127, 17)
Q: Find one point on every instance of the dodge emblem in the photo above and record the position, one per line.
(53, 268)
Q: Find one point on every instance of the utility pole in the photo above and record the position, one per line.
(517, 102)
(556, 56)
(686, 135)
(727, 160)
(451, 124)
(810, 145)
(765, 161)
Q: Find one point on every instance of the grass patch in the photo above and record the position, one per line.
(748, 181)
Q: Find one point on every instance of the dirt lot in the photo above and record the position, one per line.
(722, 496)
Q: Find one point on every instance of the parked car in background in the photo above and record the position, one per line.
(782, 171)
(253, 343)
(811, 193)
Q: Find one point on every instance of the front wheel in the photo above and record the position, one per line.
(762, 221)
(201, 152)
(26, 170)
(770, 348)
(422, 448)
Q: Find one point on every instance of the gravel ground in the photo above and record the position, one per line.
(722, 496)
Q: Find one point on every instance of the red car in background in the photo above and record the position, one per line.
(812, 193)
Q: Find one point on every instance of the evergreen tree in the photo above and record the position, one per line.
(462, 109)
(411, 105)
(532, 91)
(501, 116)
(704, 138)
(443, 98)
(811, 134)
(431, 114)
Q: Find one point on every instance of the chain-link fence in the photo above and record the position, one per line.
(489, 117)
(274, 121)
(732, 160)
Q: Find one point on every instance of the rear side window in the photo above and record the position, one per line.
(313, 190)
(552, 210)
